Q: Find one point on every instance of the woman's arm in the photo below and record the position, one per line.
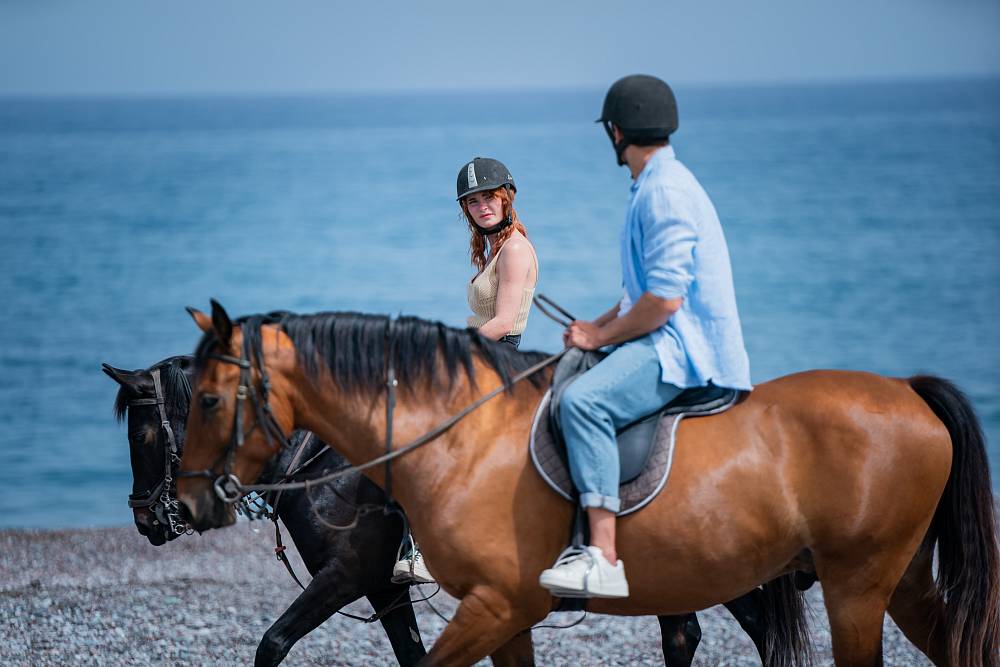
(513, 269)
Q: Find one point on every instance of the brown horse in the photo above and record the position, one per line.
(856, 476)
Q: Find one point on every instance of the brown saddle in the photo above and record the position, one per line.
(645, 447)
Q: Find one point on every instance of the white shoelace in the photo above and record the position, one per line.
(573, 554)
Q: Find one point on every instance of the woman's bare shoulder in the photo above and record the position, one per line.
(516, 256)
(518, 244)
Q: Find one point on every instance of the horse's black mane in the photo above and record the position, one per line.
(176, 387)
(353, 346)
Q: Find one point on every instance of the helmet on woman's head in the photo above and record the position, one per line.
(643, 107)
(481, 174)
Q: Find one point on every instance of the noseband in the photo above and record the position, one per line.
(160, 499)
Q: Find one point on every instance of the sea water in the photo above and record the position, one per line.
(863, 221)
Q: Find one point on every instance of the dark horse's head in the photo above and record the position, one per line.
(154, 465)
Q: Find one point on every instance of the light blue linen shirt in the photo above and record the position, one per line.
(672, 246)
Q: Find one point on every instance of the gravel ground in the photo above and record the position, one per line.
(106, 597)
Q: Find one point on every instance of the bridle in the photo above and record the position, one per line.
(227, 486)
(160, 499)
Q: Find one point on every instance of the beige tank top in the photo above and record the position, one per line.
(482, 296)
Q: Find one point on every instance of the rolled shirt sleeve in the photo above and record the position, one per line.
(669, 238)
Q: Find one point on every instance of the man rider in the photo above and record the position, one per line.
(675, 327)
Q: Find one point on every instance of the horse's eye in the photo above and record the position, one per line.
(138, 437)
(209, 402)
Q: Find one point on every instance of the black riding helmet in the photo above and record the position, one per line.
(483, 173)
(643, 107)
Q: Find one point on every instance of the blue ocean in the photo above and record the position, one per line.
(863, 222)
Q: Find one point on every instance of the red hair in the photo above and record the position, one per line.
(477, 244)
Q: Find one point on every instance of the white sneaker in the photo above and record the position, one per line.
(411, 569)
(585, 574)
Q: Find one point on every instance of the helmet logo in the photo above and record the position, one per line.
(472, 175)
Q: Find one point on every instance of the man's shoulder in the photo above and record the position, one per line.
(672, 184)
(673, 175)
(662, 189)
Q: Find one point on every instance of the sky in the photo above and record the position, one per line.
(167, 47)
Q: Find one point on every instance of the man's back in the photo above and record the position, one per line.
(673, 246)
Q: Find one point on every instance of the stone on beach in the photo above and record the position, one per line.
(105, 596)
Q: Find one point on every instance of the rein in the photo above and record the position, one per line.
(228, 487)
(430, 436)
(399, 601)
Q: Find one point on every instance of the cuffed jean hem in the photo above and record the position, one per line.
(609, 503)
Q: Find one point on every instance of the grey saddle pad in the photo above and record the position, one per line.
(646, 447)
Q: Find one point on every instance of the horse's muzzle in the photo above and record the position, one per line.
(147, 525)
(204, 510)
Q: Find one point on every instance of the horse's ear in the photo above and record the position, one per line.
(122, 377)
(203, 321)
(221, 323)
(137, 381)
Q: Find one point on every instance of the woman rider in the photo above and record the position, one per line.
(500, 292)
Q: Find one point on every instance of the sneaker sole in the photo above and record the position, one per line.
(406, 578)
(570, 593)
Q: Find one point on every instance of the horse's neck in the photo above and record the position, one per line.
(464, 445)
(356, 424)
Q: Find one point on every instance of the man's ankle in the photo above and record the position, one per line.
(610, 555)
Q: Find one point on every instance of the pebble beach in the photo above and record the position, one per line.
(105, 596)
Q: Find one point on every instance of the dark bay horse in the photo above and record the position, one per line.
(330, 553)
(858, 476)
(345, 564)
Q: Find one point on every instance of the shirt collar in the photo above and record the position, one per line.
(662, 155)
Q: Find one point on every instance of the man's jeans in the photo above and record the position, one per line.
(623, 387)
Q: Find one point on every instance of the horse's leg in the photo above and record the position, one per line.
(326, 593)
(483, 623)
(917, 608)
(749, 613)
(400, 624)
(519, 651)
(856, 592)
(855, 625)
(680, 636)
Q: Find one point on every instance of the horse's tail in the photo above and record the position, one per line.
(786, 627)
(965, 529)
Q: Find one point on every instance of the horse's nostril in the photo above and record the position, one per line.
(142, 528)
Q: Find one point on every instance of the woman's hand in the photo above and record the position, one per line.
(584, 335)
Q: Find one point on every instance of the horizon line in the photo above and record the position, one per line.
(531, 89)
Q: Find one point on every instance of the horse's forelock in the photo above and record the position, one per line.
(121, 403)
